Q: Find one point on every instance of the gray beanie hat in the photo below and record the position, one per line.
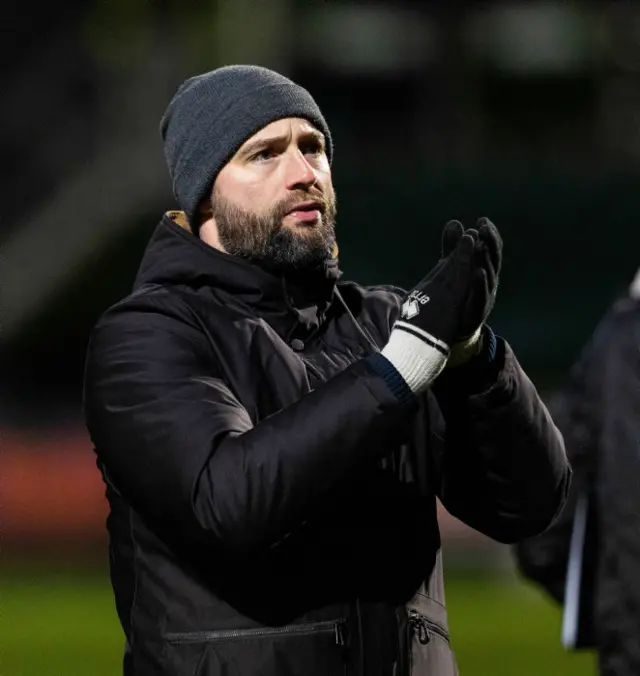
(213, 114)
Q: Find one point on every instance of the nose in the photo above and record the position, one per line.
(300, 174)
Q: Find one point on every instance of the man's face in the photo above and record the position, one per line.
(274, 200)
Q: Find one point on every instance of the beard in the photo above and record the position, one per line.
(262, 237)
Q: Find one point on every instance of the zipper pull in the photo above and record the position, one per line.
(340, 640)
(419, 626)
(423, 635)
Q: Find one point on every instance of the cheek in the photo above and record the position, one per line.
(323, 171)
(245, 188)
(252, 194)
(323, 166)
(327, 186)
(260, 198)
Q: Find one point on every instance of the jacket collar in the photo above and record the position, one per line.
(292, 305)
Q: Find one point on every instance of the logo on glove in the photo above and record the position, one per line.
(411, 307)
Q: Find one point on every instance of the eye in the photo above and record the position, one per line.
(315, 147)
(263, 155)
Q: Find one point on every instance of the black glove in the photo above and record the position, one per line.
(438, 304)
(432, 315)
(484, 281)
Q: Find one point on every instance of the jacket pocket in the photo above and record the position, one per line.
(429, 648)
(310, 649)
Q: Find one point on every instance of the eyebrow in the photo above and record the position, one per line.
(260, 144)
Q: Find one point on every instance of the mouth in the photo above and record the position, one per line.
(306, 211)
(306, 207)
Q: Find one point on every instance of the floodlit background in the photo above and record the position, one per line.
(526, 112)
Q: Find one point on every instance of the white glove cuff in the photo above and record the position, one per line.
(418, 362)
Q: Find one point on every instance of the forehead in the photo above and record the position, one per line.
(288, 126)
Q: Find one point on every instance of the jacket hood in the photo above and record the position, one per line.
(176, 257)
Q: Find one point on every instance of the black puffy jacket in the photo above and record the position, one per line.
(272, 499)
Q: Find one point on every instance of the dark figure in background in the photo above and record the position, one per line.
(273, 439)
(589, 560)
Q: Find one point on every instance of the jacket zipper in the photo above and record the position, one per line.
(423, 627)
(336, 626)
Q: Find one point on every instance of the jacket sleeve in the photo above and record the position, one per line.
(184, 452)
(503, 471)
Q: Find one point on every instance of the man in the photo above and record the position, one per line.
(273, 440)
(589, 559)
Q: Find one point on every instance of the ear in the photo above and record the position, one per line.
(204, 210)
(202, 214)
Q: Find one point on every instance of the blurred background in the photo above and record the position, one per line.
(526, 112)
